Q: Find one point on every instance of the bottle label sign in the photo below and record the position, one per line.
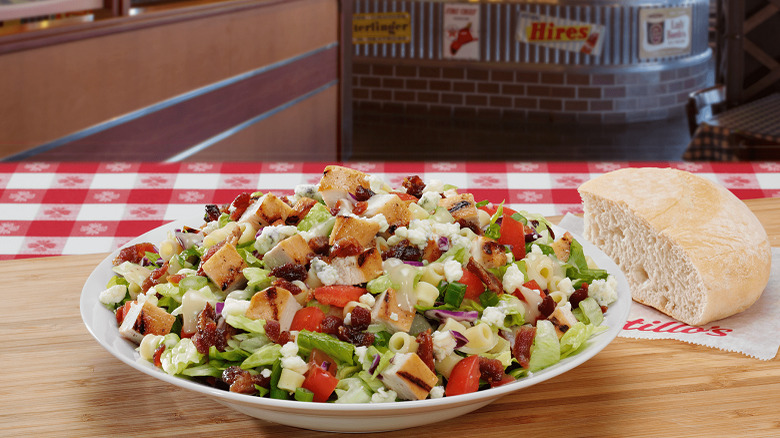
(559, 33)
(664, 32)
(461, 38)
(381, 28)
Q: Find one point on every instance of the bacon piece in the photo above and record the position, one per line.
(425, 348)
(134, 253)
(521, 350)
(156, 277)
(491, 281)
(206, 330)
(414, 185)
(242, 381)
(240, 204)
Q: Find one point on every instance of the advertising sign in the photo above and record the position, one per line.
(664, 32)
(559, 33)
(461, 32)
(381, 28)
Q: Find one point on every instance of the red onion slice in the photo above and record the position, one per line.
(374, 364)
(441, 315)
(460, 340)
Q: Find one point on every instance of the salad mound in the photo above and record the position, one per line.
(351, 291)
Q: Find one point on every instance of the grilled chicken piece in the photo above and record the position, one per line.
(339, 183)
(266, 211)
(562, 247)
(488, 253)
(300, 210)
(274, 303)
(359, 268)
(395, 210)
(293, 249)
(562, 319)
(388, 311)
(224, 268)
(362, 230)
(462, 208)
(145, 319)
(409, 377)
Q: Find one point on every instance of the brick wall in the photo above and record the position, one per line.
(494, 92)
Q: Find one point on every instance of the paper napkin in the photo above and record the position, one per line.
(752, 332)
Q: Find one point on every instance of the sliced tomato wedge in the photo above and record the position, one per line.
(321, 383)
(308, 318)
(513, 234)
(337, 295)
(474, 286)
(464, 377)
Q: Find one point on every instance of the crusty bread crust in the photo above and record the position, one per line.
(688, 246)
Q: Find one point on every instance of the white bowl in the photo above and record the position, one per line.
(101, 323)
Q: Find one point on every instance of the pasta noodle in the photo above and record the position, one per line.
(402, 342)
(445, 366)
(481, 339)
(426, 294)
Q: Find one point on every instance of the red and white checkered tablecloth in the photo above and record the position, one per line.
(51, 209)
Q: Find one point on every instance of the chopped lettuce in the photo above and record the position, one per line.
(177, 359)
(248, 324)
(546, 350)
(317, 215)
(265, 356)
(257, 278)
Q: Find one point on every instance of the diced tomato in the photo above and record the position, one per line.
(338, 295)
(158, 355)
(474, 286)
(308, 318)
(504, 380)
(321, 383)
(405, 196)
(491, 210)
(175, 278)
(121, 312)
(464, 377)
(513, 234)
(532, 284)
(317, 357)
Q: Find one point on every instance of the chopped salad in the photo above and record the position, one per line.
(351, 291)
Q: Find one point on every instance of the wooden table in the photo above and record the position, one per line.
(57, 381)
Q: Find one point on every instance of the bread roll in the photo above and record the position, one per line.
(687, 246)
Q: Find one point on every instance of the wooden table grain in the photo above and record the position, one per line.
(55, 380)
